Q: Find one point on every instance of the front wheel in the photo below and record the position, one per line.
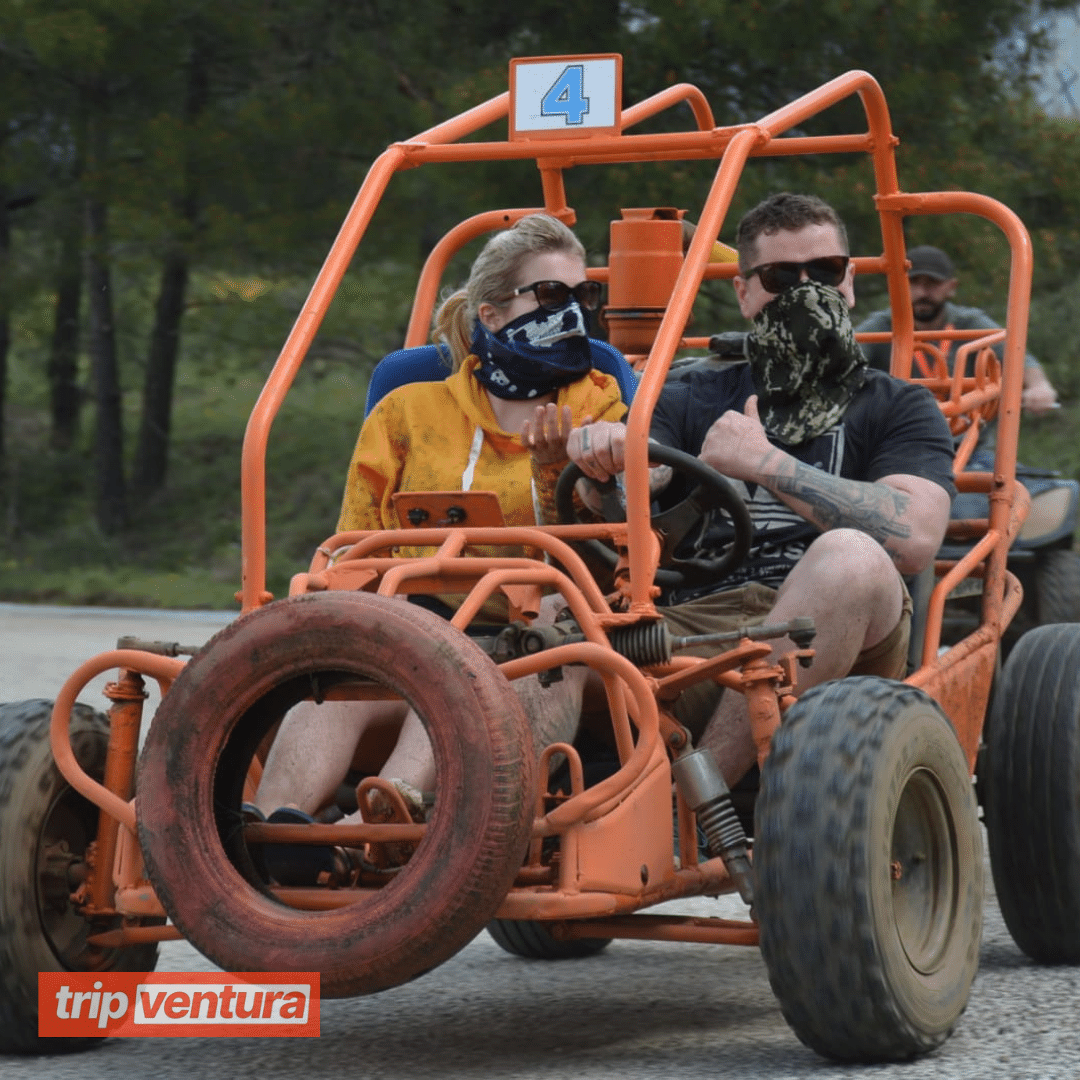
(46, 828)
(1032, 793)
(869, 871)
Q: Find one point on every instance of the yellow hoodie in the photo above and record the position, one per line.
(443, 436)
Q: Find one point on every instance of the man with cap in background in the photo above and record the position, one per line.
(932, 280)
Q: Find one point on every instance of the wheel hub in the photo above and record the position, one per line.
(924, 871)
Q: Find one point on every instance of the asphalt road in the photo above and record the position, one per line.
(638, 1011)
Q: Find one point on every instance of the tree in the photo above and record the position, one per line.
(5, 305)
(65, 396)
(69, 55)
(14, 196)
(152, 455)
(175, 138)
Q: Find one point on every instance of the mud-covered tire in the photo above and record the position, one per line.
(40, 812)
(1057, 586)
(534, 941)
(191, 781)
(1031, 790)
(868, 859)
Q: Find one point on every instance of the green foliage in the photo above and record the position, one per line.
(183, 546)
(238, 134)
(1050, 442)
(1054, 336)
(187, 536)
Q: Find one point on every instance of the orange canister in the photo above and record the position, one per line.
(645, 259)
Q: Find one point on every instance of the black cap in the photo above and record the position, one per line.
(931, 262)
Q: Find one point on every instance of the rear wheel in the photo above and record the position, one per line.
(45, 829)
(869, 871)
(1032, 793)
(1057, 586)
(534, 941)
(206, 731)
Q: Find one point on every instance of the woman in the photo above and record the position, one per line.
(522, 379)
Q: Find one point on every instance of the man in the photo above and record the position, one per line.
(933, 283)
(846, 472)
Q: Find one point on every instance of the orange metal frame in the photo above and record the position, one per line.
(733, 146)
(596, 825)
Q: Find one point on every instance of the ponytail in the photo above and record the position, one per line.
(453, 327)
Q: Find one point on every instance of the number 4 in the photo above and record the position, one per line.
(567, 96)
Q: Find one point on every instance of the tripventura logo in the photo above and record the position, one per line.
(74, 1004)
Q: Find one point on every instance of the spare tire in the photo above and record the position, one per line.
(207, 728)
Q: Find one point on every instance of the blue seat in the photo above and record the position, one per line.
(430, 363)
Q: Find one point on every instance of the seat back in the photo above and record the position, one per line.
(430, 363)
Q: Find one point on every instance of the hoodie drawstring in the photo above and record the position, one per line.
(474, 457)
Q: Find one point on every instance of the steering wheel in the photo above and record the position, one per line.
(712, 491)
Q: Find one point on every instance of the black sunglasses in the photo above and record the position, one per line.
(552, 295)
(778, 276)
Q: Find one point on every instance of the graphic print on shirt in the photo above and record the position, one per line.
(781, 536)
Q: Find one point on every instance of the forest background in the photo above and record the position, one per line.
(173, 173)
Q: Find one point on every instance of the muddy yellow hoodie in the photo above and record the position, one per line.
(443, 436)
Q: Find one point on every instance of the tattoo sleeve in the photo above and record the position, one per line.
(834, 503)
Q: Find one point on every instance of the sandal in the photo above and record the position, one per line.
(304, 864)
(385, 802)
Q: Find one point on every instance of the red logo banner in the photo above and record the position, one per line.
(129, 1004)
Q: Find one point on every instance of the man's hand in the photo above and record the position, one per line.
(1039, 395)
(599, 449)
(736, 445)
(907, 515)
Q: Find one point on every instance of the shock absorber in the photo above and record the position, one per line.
(706, 793)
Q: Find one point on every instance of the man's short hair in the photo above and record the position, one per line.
(783, 212)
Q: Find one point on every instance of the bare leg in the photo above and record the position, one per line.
(553, 713)
(411, 759)
(313, 750)
(849, 586)
(315, 744)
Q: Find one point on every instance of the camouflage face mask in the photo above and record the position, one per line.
(805, 361)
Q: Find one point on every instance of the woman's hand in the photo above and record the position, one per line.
(546, 433)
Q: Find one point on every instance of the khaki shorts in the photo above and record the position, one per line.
(750, 606)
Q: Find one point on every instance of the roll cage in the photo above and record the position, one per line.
(965, 401)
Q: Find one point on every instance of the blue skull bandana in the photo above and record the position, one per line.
(806, 363)
(534, 354)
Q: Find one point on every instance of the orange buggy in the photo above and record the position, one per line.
(864, 856)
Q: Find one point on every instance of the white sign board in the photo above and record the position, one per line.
(558, 96)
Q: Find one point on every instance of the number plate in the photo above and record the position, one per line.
(560, 96)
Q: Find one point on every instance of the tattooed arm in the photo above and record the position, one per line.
(906, 514)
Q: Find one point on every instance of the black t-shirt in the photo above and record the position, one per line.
(889, 427)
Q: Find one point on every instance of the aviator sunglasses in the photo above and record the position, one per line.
(552, 295)
(778, 276)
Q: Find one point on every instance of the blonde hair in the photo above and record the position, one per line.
(494, 275)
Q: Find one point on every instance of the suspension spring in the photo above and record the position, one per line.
(721, 826)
